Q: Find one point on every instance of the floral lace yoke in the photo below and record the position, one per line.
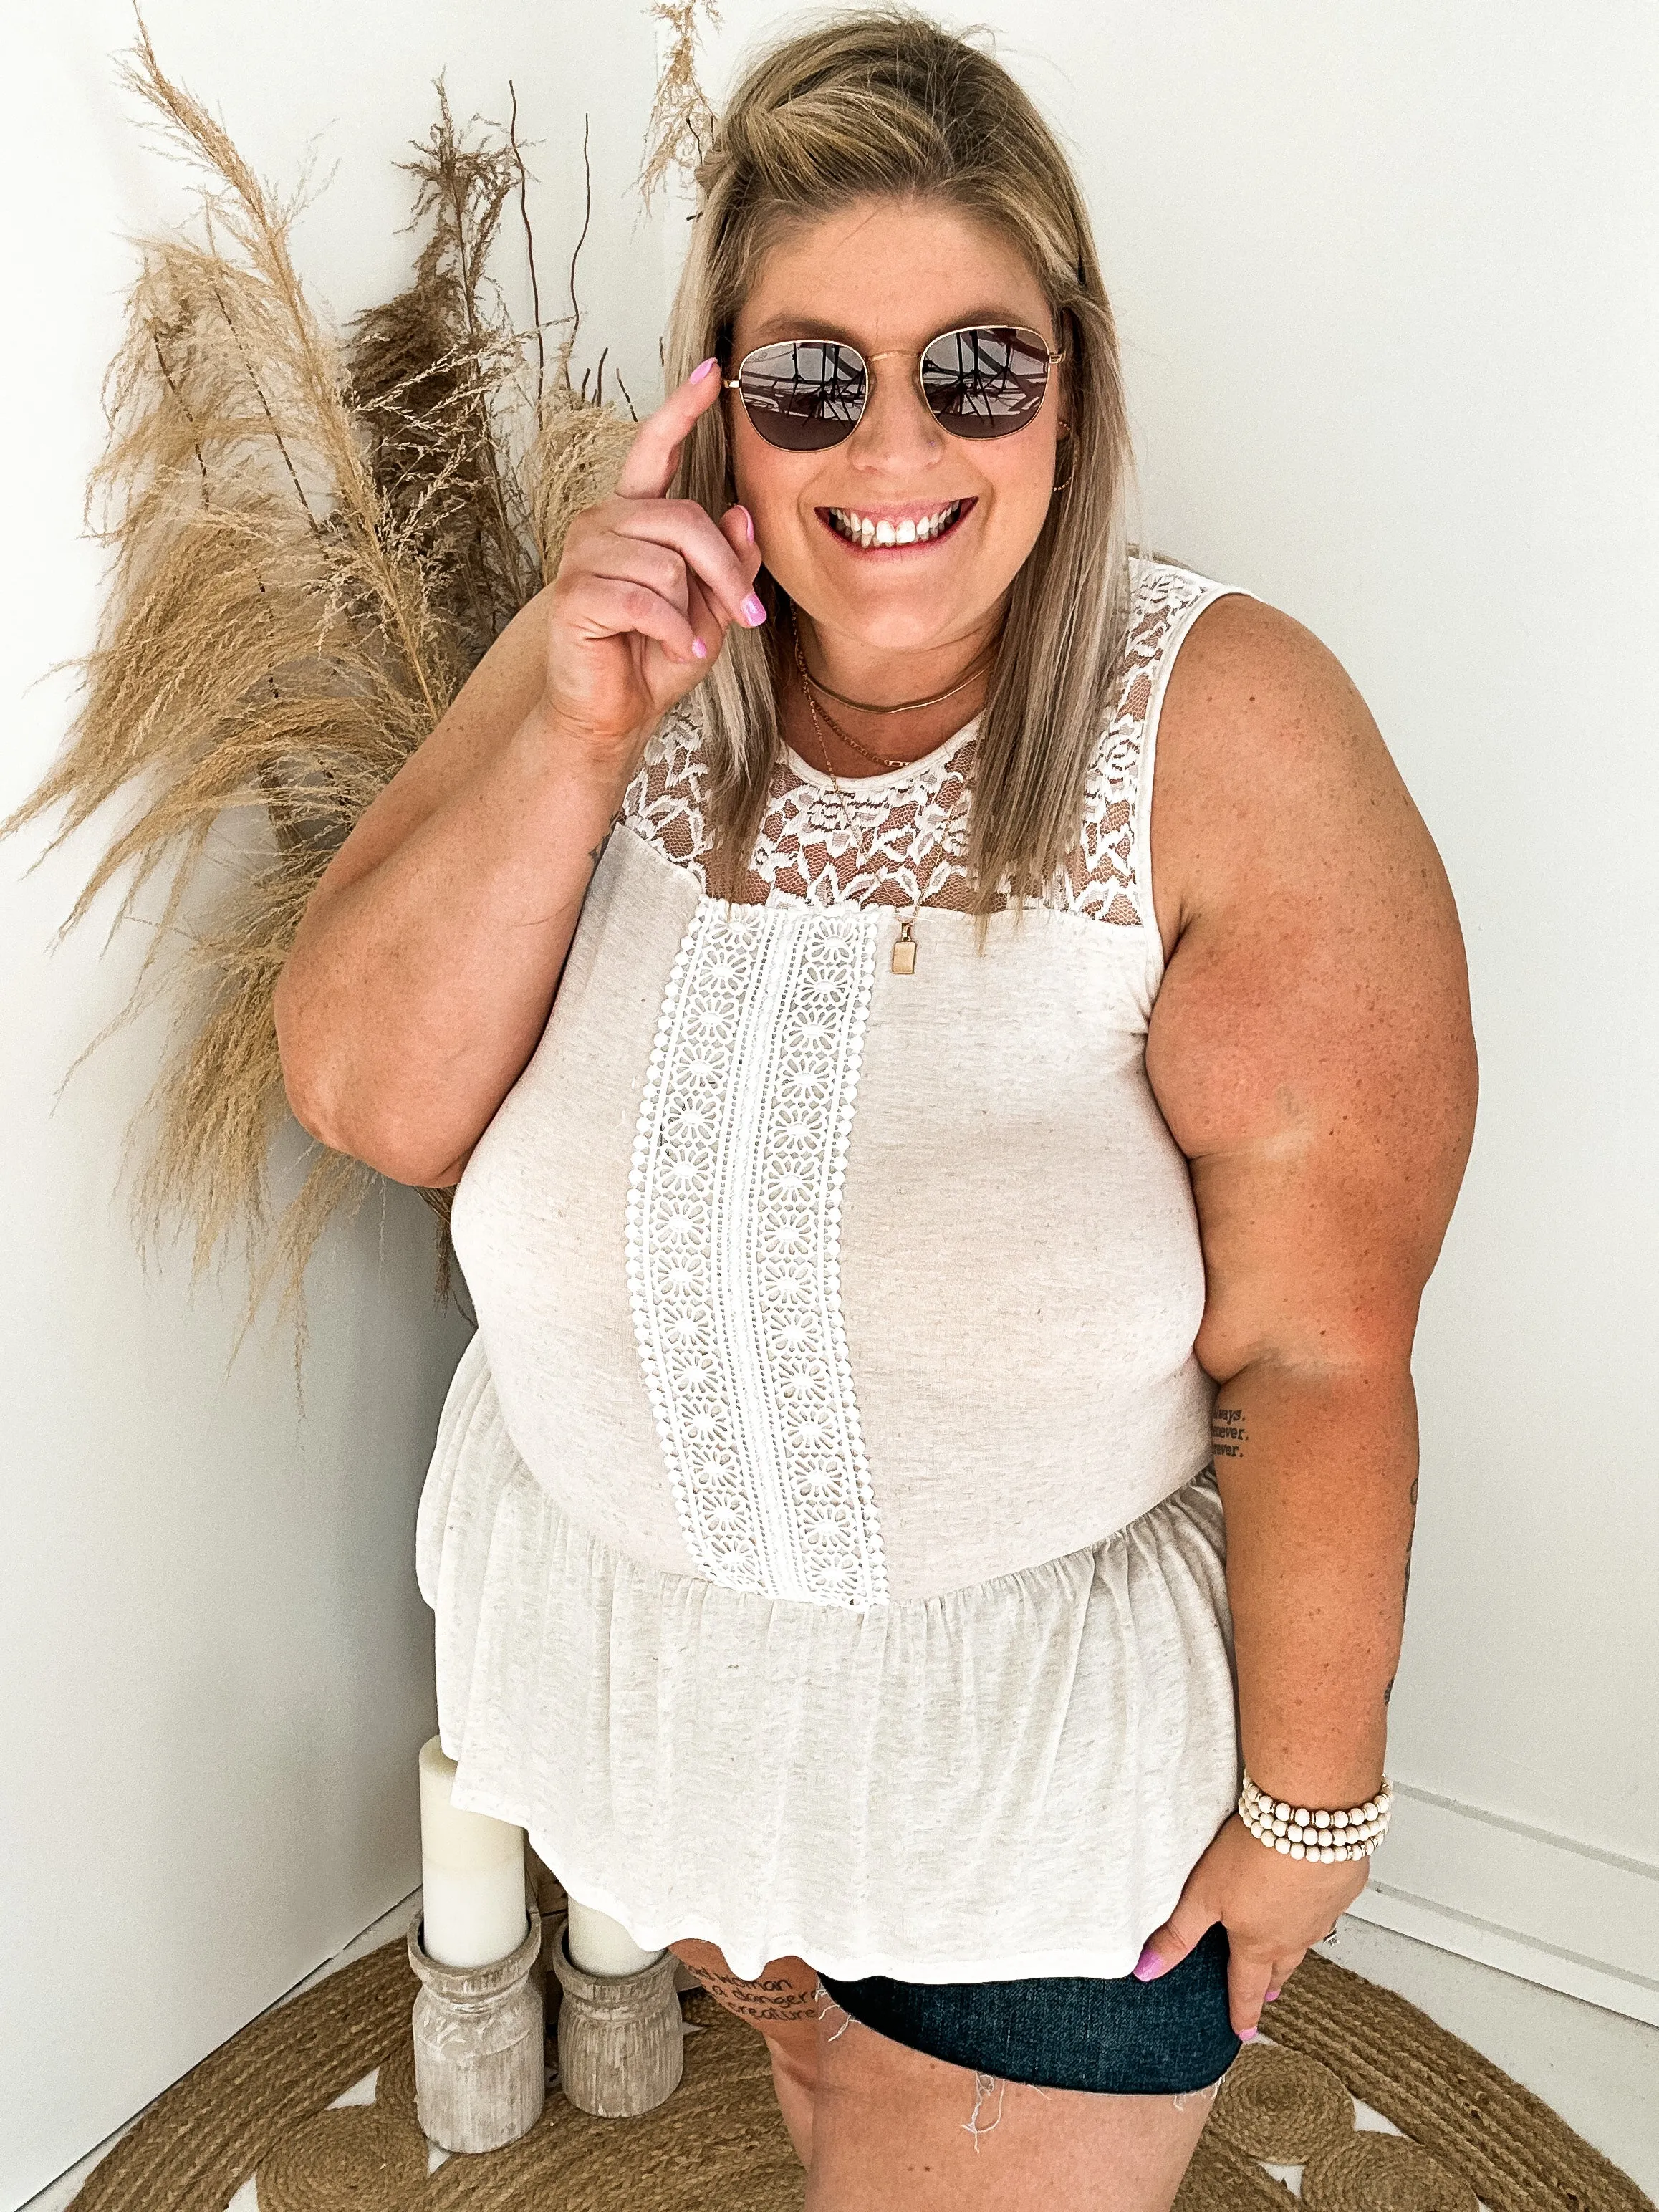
(900, 839)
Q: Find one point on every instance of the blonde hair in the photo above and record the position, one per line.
(884, 103)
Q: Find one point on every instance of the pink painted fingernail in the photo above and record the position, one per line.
(1148, 1967)
(1248, 2034)
(703, 369)
(700, 649)
(1272, 1994)
(748, 523)
(753, 612)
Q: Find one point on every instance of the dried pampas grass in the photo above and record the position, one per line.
(682, 123)
(313, 544)
(431, 375)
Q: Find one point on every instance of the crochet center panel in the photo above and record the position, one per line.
(733, 1250)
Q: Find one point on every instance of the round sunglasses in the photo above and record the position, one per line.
(984, 381)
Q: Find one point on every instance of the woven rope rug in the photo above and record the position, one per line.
(258, 2126)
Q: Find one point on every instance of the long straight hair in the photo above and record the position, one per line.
(885, 103)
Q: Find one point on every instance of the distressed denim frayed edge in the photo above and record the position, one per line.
(984, 2083)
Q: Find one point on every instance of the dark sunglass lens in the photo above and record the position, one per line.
(983, 383)
(802, 394)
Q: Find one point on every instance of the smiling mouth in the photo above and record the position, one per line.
(872, 533)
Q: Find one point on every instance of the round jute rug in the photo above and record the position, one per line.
(258, 2122)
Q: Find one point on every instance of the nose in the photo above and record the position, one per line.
(896, 436)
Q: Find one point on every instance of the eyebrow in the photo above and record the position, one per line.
(777, 327)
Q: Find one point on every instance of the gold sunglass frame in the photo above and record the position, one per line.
(904, 353)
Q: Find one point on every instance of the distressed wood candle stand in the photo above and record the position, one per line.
(480, 2067)
(621, 2037)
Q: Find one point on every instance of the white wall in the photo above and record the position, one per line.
(217, 1667)
(1385, 281)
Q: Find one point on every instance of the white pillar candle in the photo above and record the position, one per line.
(472, 1896)
(601, 1945)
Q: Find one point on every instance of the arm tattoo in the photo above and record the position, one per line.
(1227, 1431)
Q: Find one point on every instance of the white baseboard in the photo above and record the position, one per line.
(1566, 1914)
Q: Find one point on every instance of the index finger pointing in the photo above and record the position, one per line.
(649, 469)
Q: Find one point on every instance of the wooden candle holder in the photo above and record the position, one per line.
(547, 1892)
(480, 2069)
(621, 2037)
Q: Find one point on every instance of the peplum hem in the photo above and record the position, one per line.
(1012, 1779)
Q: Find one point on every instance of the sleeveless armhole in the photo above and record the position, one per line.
(1210, 592)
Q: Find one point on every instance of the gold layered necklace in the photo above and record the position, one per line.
(980, 662)
(904, 947)
(807, 687)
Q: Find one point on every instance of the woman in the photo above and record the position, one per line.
(882, 1116)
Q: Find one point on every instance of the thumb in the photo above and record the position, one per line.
(1168, 1945)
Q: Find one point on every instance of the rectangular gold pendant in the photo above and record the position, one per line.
(904, 951)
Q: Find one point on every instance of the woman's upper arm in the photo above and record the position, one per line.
(1311, 1046)
(489, 708)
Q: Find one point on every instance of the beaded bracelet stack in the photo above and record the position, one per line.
(1300, 1834)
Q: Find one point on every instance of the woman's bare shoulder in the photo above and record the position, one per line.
(1311, 1045)
(1272, 777)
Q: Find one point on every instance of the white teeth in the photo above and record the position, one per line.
(862, 530)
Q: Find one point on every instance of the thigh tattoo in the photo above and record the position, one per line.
(775, 2000)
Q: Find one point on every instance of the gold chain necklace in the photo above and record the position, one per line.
(904, 706)
(904, 947)
(880, 759)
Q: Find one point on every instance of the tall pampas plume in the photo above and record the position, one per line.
(313, 542)
(682, 123)
(434, 377)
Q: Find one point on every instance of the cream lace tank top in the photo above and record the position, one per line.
(820, 1530)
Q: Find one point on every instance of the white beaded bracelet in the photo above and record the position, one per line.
(1300, 1834)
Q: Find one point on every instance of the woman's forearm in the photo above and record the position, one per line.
(416, 992)
(1318, 1476)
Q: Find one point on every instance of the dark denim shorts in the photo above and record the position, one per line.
(1067, 2031)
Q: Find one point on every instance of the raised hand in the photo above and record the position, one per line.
(645, 591)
